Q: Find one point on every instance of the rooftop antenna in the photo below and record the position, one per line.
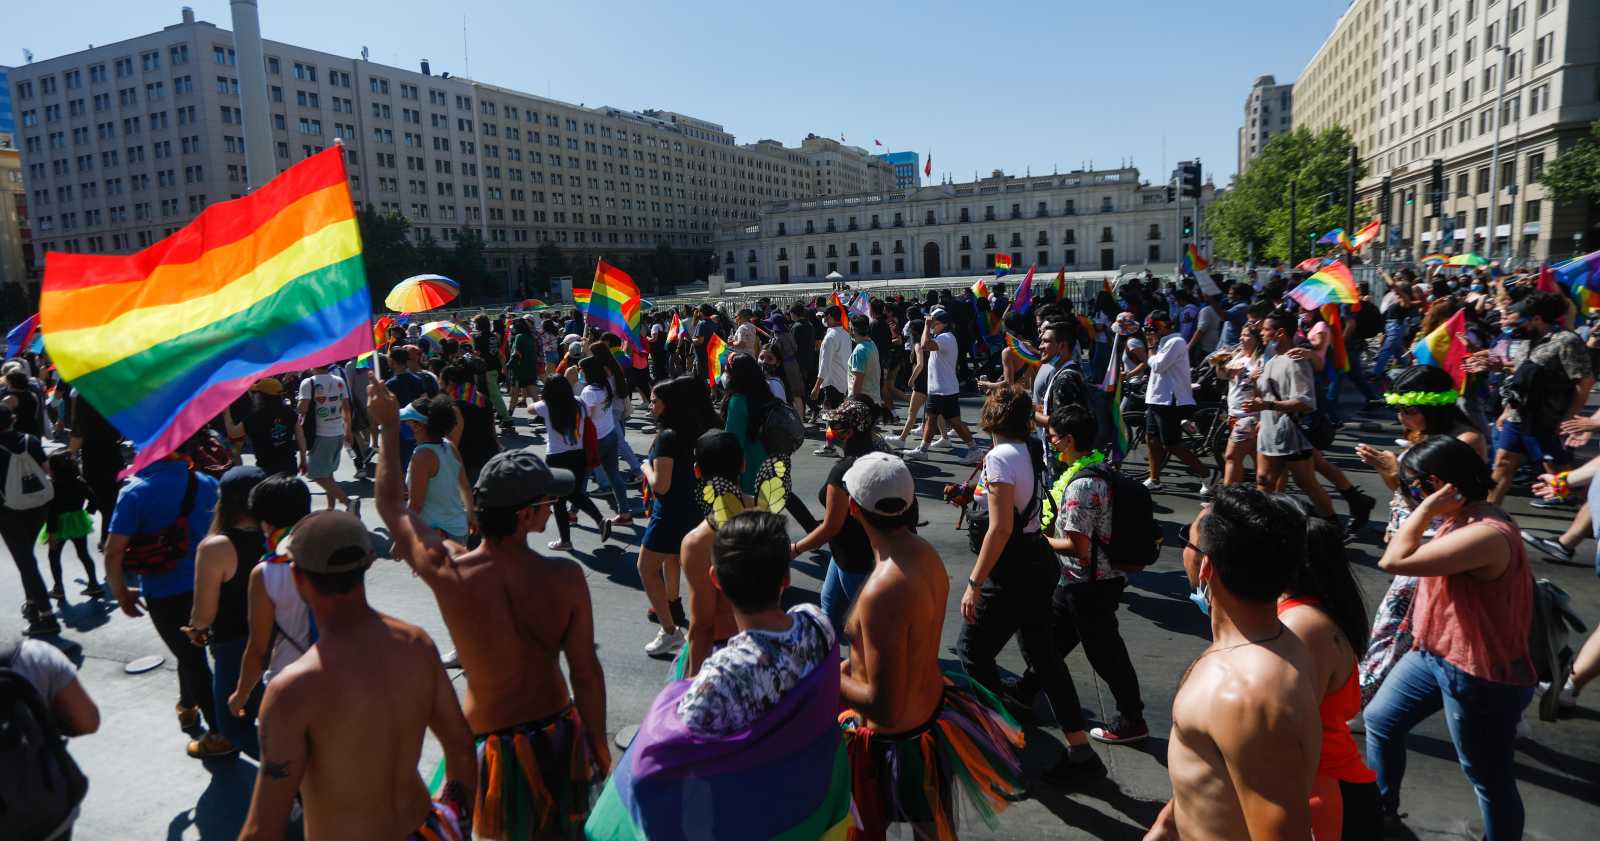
(363, 53)
(466, 61)
(27, 56)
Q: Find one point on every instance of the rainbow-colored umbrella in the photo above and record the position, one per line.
(532, 305)
(441, 330)
(421, 293)
(1468, 259)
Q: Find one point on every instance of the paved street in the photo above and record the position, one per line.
(144, 787)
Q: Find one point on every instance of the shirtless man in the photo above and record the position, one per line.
(343, 725)
(717, 454)
(1246, 734)
(512, 613)
(901, 706)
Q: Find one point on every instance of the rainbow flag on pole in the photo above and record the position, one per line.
(1332, 284)
(1444, 348)
(1368, 233)
(717, 353)
(784, 776)
(1337, 353)
(614, 304)
(1193, 263)
(580, 298)
(1061, 284)
(675, 329)
(1581, 277)
(161, 341)
(980, 289)
(1024, 299)
(1002, 264)
(1022, 349)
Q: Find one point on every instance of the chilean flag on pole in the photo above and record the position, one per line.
(927, 168)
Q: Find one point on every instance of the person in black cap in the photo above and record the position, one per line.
(343, 725)
(512, 613)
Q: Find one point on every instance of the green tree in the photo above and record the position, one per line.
(1575, 174)
(386, 252)
(1252, 217)
(548, 263)
(467, 266)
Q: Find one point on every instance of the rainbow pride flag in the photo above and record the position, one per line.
(836, 301)
(980, 289)
(1345, 243)
(1022, 349)
(1434, 259)
(675, 329)
(785, 776)
(1332, 237)
(366, 361)
(1061, 284)
(1368, 233)
(1024, 300)
(717, 353)
(25, 337)
(1444, 348)
(1332, 284)
(614, 304)
(380, 331)
(161, 341)
(1002, 264)
(580, 297)
(1581, 277)
(1337, 354)
(1193, 263)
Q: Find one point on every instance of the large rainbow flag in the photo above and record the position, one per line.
(1338, 354)
(785, 776)
(1332, 284)
(717, 353)
(161, 341)
(1581, 277)
(1193, 263)
(1444, 348)
(614, 304)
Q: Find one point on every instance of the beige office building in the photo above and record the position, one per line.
(1268, 112)
(1451, 75)
(15, 259)
(1079, 221)
(1339, 86)
(838, 169)
(124, 143)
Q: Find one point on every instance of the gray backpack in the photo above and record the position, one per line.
(40, 784)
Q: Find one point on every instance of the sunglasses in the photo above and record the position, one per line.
(1415, 490)
(1185, 543)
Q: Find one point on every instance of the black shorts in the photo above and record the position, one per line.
(944, 406)
(921, 385)
(1164, 424)
(831, 397)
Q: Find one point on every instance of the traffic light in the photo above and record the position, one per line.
(1188, 227)
(1386, 198)
(1171, 194)
(1436, 187)
(1411, 197)
(1189, 179)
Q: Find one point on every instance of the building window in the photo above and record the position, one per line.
(1155, 253)
(1530, 211)
(966, 261)
(1105, 235)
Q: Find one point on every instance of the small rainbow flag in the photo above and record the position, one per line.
(580, 297)
(1024, 300)
(1368, 233)
(1332, 284)
(1061, 284)
(161, 341)
(1345, 243)
(380, 331)
(980, 289)
(1022, 349)
(365, 361)
(836, 301)
(614, 304)
(717, 353)
(1332, 237)
(1193, 263)
(1337, 354)
(1002, 264)
(1434, 259)
(675, 329)
(1444, 348)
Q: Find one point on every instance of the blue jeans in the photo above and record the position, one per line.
(608, 466)
(1356, 375)
(225, 660)
(839, 591)
(1393, 347)
(626, 451)
(1482, 717)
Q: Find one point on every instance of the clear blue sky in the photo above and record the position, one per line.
(983, 85)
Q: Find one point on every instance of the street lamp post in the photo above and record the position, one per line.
(1494, 153)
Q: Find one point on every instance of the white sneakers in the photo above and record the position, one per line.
(666, 643)
(943, 442)
(1154, 487)
(894, 440)
(825, 450)
(914, 454)
(973, 456)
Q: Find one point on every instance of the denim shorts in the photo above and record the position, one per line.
(1534, 446)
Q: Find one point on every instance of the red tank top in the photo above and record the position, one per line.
(1340, 759)
(1480, 627)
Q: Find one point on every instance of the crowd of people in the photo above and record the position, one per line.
(261, 600)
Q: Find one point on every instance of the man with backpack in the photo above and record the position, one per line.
(41, 703)
(25, 494)
(1100, 523)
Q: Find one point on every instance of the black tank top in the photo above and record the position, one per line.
(26, 411)
(233, 603)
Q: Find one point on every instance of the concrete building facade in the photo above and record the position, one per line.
(1084, 220)
(907, 168)
(1339, 86)
(1268, 111)
(16, 252)
(838, 169)
(1454, 74)
(124, 143)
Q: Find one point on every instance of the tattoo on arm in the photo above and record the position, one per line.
(275, 770)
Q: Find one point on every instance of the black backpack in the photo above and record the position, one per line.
(1067, 388)
(782, 431)
(1369, 322)
(1135, 536)
(40, 784)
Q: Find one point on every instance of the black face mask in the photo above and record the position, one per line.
(772, 369)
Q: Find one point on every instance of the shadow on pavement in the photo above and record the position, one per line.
(1580, 785)
(86, 615)
(220, 811)
(1167, 604)
(1134, 814)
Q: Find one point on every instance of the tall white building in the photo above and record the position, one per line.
(124, 143)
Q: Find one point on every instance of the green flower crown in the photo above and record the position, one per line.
(1422, 398)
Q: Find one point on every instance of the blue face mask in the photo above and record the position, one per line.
(1202, 598)
(1272, 347)
(1479, 288)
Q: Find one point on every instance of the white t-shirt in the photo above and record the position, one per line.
(327, 394)
(942, 366)
(594, 399)
(555, 441)
(1009, 464)
(775, 386)
(746, 338)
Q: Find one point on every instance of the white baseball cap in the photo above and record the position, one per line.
(881, 483)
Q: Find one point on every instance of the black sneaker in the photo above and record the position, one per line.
(42, 623)
(1361, 507)
(1549, 546)
(1067, 773)
(1121, 731)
